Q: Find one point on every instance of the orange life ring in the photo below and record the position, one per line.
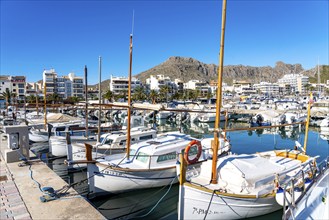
(187, 149)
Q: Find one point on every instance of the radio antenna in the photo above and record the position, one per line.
(132, 26)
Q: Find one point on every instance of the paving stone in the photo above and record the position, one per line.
(19, 210)
(14, 199)
(16, 204)
(25, 216)
(6, 214)
(10, 190)
(13, 195)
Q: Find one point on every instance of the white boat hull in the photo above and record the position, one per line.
(199, 204)
(58, 145)
(116, 181)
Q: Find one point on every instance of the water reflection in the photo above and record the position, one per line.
(149, 203)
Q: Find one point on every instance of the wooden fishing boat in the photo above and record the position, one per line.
(237, 186)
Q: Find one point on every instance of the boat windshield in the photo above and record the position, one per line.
(132, 152)
(142, 157)
(107, 141)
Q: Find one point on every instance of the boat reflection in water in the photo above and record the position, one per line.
(148, 203)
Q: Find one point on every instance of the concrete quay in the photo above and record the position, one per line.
(20, 194)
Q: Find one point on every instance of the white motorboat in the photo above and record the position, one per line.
(110, 143)
(56, 121)
(58, 142)
(151, 163)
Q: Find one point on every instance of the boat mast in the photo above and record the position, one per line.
(86, 100)
(36, 98)
(45, 102)
(129, 88)
(308, 121)
(99, 98)
(219, 98)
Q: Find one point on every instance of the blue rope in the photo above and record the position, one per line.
(39, 185)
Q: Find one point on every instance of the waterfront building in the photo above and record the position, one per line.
(119, 85)
(297, 82)
(15, 84)
(267, 88)
(179, 85)
(243, 88)
(33, 88)
(197, 85)
(64, 86)
(156, 82)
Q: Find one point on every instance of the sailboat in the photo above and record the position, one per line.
(237, 186)
(146, 164)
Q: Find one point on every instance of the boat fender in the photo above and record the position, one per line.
(187, 150)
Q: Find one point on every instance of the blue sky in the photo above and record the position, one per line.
(66, 35)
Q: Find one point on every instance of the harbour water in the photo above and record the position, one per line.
(161, 203)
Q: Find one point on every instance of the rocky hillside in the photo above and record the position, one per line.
(188, 68)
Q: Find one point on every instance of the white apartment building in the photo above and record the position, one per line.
(15, 84)
(296, 82)
(179, 84)
(33, 88)
(197, 85)
(118, 85)
(267, 88)
(243, 87)
(156, 82)
(64, 86)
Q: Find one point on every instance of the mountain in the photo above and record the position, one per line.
(188, 68)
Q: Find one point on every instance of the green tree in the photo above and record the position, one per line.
(139, 94)
(7, 95)
(197, 93)
(71, 100)
(54, 98)
(108, 95)
(209, 96)
(163, 93)
(153, 96)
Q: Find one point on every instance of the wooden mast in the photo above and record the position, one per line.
(45, 101)
(37, 98)
(307, 121)
(219, 98)
(99, 98)
(129, 94)
(86, 100)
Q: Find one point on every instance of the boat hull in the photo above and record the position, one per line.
(111, 180)
(198, 204)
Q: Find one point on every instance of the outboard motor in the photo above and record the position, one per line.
(259, 119)
(283, 119)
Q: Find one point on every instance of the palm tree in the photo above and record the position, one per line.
(30, 99)
(7, 95)
(196, 94)
(153, 96)
(163, 93)
(108, 95)
(139, 93)
(209, 96)
(14, 96)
